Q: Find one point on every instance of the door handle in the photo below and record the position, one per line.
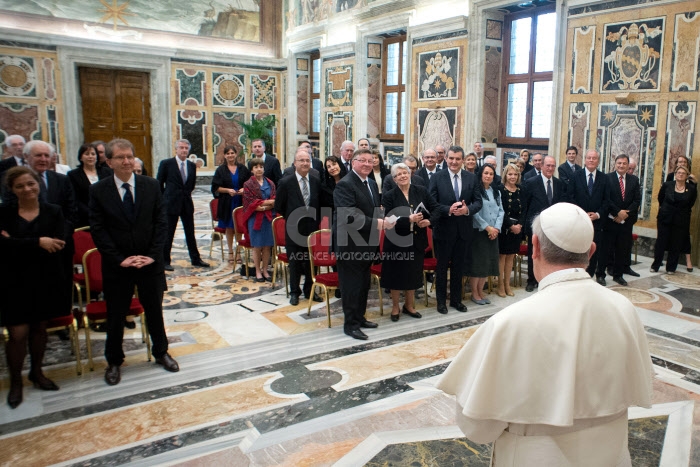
(101, 126)
(133, 127)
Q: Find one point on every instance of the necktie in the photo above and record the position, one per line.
(305, 191)
(590, 184)
(481, 162)
(430, 174)
(369, 189)
(347, 166)
(549, 191)
(538, 173)
(456, 187)
(183, 172)
(128, 201)
(43, 189)
(622, 187)
(437, 167)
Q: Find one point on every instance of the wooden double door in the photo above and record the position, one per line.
(116, 104)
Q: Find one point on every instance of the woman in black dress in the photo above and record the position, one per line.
(511, 234)
(82, 177)
(405, 244)
(332, 177)
(683, 161)
(525, 157)
(676, 199)
(32, 273)
(227, 186)
(379, 171)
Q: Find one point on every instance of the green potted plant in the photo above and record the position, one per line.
(263, 129)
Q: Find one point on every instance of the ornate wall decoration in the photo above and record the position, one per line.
(302, 104)
(374, 106)
(339, 86)
(192, 126)
(494, 29)
(436, 127)
(263, 89)
(374, 50)
(338, 129)
(685, 69)
(579, 127)
(302, 64)
(582, 60)
(227, 131)
(228, 90)
(632, 55)
(52, 120)
(492, 80)
(49, 79)
(17, 76)
(393, 153)
(439, 74)
(19, 119)
(191, 86)
(630, 130)
(680, 133)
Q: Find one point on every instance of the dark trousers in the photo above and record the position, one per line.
(118, 291)
(354, 278)
(597, 262)
(617, 247)
(530, 269)
(299, 265)
(188, 225)
(671, 238)
(450, 253)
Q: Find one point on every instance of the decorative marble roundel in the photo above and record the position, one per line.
(17, 77)
(228, 90)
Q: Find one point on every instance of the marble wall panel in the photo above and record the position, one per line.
(339, 89)
(374, 104)
(192, 125)
(492, 83)
(54, 135)
(190, 84)
(436, 127)
(393, 153)
(439, 74)
(19, 119)
(338, 129)
(579, 127)
(630, 130)
(632, 55)
(48, 70)
(303, 104)
(680, 133)
(583, 60)
(18, 77)
(685, 74)
(228, 90)
(263, 88)
(227, 131)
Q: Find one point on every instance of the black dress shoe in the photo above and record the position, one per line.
(130, 324)
(14, 398)
(337, 293)
(63, 334)
(268, 278)
(168, 267)
(395, 317)
(113, 375)
(459, 306)
(369, 325)
(601, 280)
(631, 272)
(529, 287)
(442, 308)
(317, 298)
(620, 280)
(43, 383)
(168, 363)
(200, 264)
(357, 334)
(294, 299)
(609, 270)
(410, 313)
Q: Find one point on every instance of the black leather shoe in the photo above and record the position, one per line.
(43, 383)
(113, 375)
(631, 272)
(459, 307)
(601, 280)
(63, 334)
(294, 299)
(200, 264)
(410, 313)
(369, 325)
(395, 317)
(620, 280)
(442, 308)
(337, 293)
(168, 267)
(168, 363)
(14, 398)
(357, 334)
(529, 287)
(130, 324)
(317, 298)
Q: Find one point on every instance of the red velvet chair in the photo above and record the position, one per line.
(376, 273)
(281, 259)
(96, 312)
(82, 239)
(321, 256)
(242, 238)
(429, 266)
(69, 323)
(215, 230)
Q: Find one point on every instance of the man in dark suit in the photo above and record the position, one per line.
(589, 191)
(458, 195)
(13, 158)
(479, 151)
(271, 166)
(441, 163)
(177, 177)
(567, 169)
(357, 221)
(625, 196)
(537, 159)
(539, 194)
(412, 164)
(496, 178)
(129, 226)
(347, 150)
(298, 200)
(316, 164)
(429, 166)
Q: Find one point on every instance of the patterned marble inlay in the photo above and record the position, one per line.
(680, 133)
(227, 131)
(20, 119)
(686, 52)
(582, 63)
(263, 89)
(492, 80)
(17, 76)
(191, 86)
(302, 104)
(579, 126)
(374, 109)
(436, 127)
(439, 74)
(192, 126)
(689, 281)
(442, 452)
(338, 129)
(48, 70)
(228, 90)
(637, 296)
(339, 88)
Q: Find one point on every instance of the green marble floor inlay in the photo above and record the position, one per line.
(443, 453)
(646, 440)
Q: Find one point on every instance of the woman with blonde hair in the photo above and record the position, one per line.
(511, 234)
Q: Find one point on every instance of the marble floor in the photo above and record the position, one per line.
(262, 383)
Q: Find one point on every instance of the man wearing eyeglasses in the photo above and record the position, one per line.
(440, 153)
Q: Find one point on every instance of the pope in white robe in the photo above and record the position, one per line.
(550, 378)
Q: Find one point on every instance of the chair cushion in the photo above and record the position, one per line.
(376, 269)
(329, 279)
(283, 257)
(60, 322)
(523, 250)
(79, 277)
(634, 237)
(96, 311)
(219, 229)
(429, 264)
(245, 242)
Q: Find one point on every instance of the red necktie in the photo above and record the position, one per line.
(622, 188)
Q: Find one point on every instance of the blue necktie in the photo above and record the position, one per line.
(590, 184)
(456, 188)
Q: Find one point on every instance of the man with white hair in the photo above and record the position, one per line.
(429, 166)
(564, 401)
(15, 144)
(347, 149)
(440, 152)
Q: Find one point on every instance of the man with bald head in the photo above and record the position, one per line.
(429, 166)
(347, 149)
(537, 160)
(440, 153)
(13, 158)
